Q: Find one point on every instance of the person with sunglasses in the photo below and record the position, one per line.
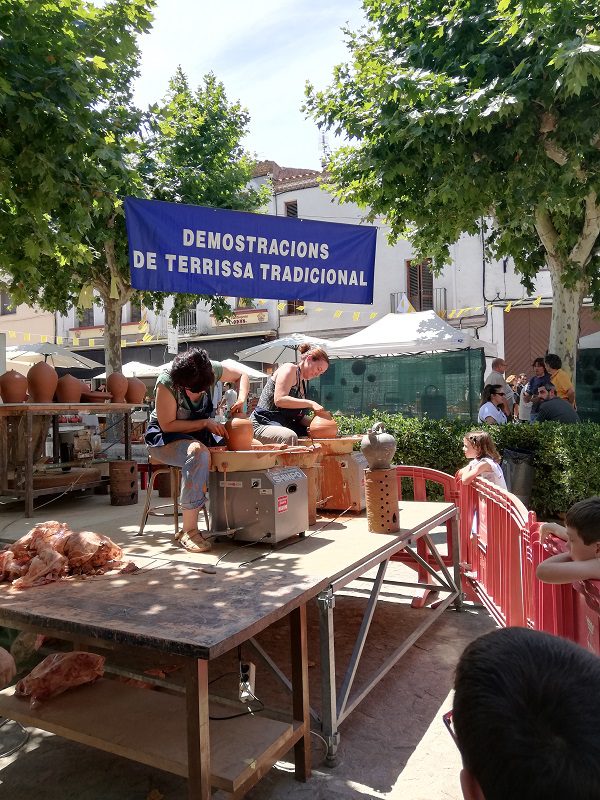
(525, 718)
(492, 403)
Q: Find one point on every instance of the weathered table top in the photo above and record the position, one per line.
(175, 607)
(167, 606)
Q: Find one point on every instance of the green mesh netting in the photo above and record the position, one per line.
(440, 385)
(587, 388)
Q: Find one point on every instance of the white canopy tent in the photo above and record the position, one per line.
(135, 369)
(590, 341)
(405, 334)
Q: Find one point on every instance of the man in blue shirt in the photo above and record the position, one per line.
(540, 378)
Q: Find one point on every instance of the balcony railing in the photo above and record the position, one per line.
(435, 301)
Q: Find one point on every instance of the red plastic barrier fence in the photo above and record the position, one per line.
(492, 527)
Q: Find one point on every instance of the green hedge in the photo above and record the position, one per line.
(567, 467)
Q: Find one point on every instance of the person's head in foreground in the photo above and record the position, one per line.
(583, 529)
(526, 716)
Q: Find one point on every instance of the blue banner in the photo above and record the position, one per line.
(177, 248)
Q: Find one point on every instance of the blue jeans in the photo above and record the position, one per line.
(194, 459)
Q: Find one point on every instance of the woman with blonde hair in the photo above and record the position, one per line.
(281, 413)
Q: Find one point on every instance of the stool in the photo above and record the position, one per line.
(155, 469)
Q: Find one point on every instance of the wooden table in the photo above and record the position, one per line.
(177, 611)
(11, 412)
(342, 555)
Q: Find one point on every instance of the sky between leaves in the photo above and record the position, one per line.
(264, 51)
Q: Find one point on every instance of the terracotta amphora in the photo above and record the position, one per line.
(42, 380)
(240, 432)
(321, 428)
(13, 387)
(68, 389)
(117, 384)
(136, 391)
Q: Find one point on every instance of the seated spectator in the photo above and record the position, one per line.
(552, 408)
(560, 379)
(583, 535)
(492, 401)
(525, 716)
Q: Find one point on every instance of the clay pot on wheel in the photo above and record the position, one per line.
(68, 389)
(117, 384)
(240, 432)
(321, 428)
(136, 391)
(13, 387)
(42, 381)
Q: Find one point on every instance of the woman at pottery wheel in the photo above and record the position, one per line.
(281, 413)
(181, 429)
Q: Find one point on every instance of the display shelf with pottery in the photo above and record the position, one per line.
(338, 446)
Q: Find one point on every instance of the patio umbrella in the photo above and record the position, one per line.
(135, 369)
(250, 371)
(281, 351)
(58, 356)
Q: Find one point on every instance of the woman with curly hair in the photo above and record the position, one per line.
(180, 429)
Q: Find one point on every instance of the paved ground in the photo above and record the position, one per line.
(394, 745)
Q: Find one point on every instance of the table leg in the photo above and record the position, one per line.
(127, 435)
(28, 464)
(458, 603)
(326, 603)
(55, 440)
(3, 454)
(198, 740)
(300, 699)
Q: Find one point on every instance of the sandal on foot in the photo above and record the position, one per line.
(193, 541)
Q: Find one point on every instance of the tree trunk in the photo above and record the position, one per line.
(566, 312)
(112, 334)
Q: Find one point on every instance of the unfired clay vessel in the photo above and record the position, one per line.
(321, 428)
(117, 384)
(68, 389)
(240, 433)
(42, 380)
(378, 447)
(136, 391)
(13, 387)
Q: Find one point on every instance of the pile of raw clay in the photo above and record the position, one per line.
(51, 551)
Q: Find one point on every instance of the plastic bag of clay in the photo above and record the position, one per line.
(47, 566)
(8, 668)
(59, 672)
(88, 550)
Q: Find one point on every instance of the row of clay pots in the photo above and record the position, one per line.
(42, 384)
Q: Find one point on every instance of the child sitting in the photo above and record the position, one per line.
(479, 446)
(583, 535)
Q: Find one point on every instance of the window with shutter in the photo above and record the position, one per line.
(293, 306)
(419, 281)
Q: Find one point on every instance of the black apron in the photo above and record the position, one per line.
(286, 417)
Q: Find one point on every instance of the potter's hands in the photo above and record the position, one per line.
(214, 427)
(237, 407)
(8, 668)
(321, 412)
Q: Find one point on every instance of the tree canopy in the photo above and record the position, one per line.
(73, 145)
(471, 109)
